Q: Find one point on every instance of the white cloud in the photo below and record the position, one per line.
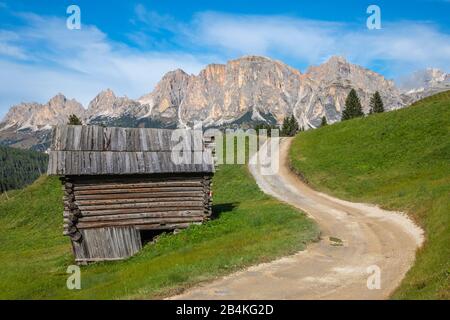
(401, 46)
(78, 63)
(154, 20)
(307, 40)
(44, 57)
(8, 45)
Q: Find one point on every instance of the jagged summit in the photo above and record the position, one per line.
(35, 116)
(426, 82)
(240, 92)
(252, 58)
(107, 105)
(337, 59)
(425, 79)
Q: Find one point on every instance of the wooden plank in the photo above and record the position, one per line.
(171, 226)
(138, 210)
(136, 200)
(97, 138)
(114, 179)
(152, 217)
(186, 204)
(180, 194)
(83, 260)
(101, 185)
(138, 190)
(110, 243)
(133, 222)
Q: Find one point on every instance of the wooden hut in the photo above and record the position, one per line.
(121, 186)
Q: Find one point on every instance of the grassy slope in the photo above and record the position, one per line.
(252, 228)
(400, 160)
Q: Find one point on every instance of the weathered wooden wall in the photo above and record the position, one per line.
(98, 138)
(118, 204)
(112, 162)
(103, 244)
(95, 150)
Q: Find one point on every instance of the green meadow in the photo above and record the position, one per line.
(399, 160)
(249, 228)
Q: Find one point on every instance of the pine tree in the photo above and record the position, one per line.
(290, 126)
(74, 120)
(376, 103)
(294, 126)
(324, 121)
(353, 107)
(285, 127)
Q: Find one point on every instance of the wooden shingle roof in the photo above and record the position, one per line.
(96, 150)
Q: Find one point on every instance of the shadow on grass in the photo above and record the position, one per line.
(218, 209)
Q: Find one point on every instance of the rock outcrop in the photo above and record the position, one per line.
(237, 94)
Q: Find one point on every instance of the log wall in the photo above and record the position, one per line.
(103, 214)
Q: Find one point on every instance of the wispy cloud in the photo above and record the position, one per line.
(401, 46)
(155, 21)
(9, 45)
(43, 57)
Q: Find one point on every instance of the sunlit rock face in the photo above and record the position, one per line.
(268, 90)
(331, 83)
(221, 94)
(162, 104)
(35, 116)
(239, 93)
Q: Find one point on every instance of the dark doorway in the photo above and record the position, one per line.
(150, 235)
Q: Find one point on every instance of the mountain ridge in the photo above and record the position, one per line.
(241, 92)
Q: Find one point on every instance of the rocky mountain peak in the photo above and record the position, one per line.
(253, 62)
(337, 60)
(251, 59)
(162, 103)
(104, 97)
(338, 70)
(436, 74)
(238, 94)
(175, 74)
(58, 100)
(35, 116)
(107, 104)
(425, 79)
(424, 83)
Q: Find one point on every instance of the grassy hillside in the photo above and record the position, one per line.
(400, 160)
(251, 228)
(19, 168)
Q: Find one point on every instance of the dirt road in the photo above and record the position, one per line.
(357, 240)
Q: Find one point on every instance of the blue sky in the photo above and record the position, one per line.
(127, 46)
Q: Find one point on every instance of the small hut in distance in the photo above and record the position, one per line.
(121, 186)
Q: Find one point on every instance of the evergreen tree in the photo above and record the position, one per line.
(324, 121)
(376, 103)
(290, 126)
(285, 127)
(353, 107)
(294, 126)
(74, 120)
